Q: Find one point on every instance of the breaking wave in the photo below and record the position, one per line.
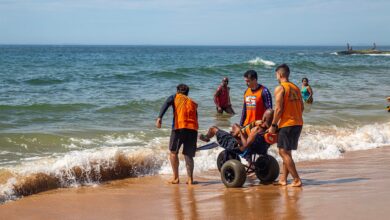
(93, 166)
(259, 61)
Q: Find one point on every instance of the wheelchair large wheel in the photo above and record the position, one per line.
(221, 158)
(267, 168)
(233, 174)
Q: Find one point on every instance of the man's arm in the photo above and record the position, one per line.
(267, 98)
(246, 142)
(243, 114)
(164, 109)
(216, 94)
(279, 93)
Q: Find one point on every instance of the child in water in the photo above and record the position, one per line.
(306, 91)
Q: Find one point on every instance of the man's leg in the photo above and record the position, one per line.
(190, 169)
(230, 110)
(283, 176)
(173, 157)
(210, 133)
(174, 145)
(189, 150)
(289, 165)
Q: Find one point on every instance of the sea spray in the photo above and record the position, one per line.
(79, 168)
(259, 61)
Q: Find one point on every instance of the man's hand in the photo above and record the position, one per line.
(272, 130)
(158, 123)
(219, 109)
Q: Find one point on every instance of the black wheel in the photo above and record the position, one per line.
(267, 168)
(233, 174)
(221, 158)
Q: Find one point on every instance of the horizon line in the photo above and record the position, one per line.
(192, 45)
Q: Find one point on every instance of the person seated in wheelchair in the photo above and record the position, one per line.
(243, 141)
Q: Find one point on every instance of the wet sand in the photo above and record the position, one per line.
(354, 187)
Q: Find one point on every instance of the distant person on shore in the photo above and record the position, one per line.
(222, 97)
(184, 131)
(306, 91)
(257, 99)
(388, 107)
(288, 119)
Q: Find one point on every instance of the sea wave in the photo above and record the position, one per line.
(93, 166)
(259, 61)
(378, 55)
(77, 168)
(44, 81)
(47, 107)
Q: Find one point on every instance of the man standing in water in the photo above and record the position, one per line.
(257, 99)
(288, 118)
(184, 131)
(222, 98)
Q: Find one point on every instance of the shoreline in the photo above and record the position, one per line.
(354, 186)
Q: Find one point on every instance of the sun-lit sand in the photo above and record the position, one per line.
(354, 187)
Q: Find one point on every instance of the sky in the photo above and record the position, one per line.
(196, 22)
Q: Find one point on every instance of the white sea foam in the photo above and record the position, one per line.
(259, 61)
(334, 53)
(92, 166)
(378, 55)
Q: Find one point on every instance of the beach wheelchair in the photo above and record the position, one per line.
(234, 173)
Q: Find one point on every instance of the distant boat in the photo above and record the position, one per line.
(373, 50)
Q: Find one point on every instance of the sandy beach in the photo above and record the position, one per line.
(354, 187)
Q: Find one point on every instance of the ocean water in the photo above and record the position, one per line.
(76, 115)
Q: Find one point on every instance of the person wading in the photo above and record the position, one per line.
(222, 98)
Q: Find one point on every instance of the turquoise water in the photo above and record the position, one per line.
(57, 101)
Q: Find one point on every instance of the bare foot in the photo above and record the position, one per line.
(204, 138)
(296, 183)
(280, 183)
(191, 182)
(173, 181)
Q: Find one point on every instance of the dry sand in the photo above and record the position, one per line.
(354, 187)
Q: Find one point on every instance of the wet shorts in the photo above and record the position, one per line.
(187, 137)
(288, 137)
(227, 141)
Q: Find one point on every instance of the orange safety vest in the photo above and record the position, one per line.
(185, 113)
(254, 105)
(292, 106)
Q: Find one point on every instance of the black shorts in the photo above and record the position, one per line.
(187, 137)
(259, 145)
(288, 137)
(227, 141)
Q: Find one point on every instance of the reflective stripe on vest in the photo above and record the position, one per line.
(254, 105)
(292, 106)
(185, 112)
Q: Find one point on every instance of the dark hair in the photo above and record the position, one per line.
(285, 70)
(304, 78)
(250, 74)
(183, 89)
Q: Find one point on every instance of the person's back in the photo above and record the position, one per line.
(292, 106)
(184, 130)
(185, 113)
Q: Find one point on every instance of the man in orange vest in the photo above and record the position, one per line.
(184, 131)
(257, 99)
(288, 119)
